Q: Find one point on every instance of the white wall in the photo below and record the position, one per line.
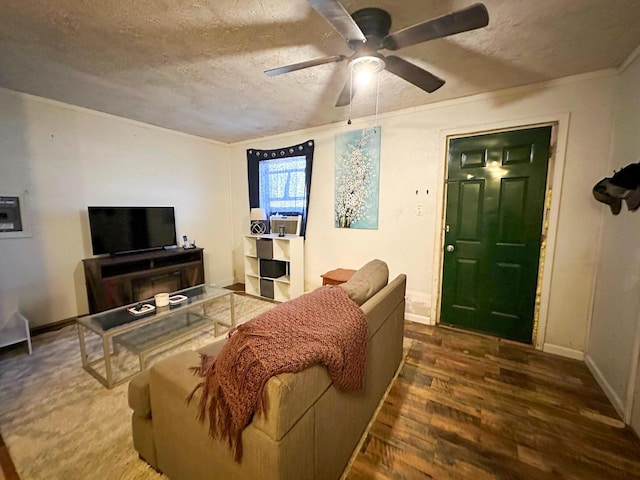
(613, 339)
(412, 159)
(68, 158)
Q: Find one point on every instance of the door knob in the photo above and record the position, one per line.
(450, 248)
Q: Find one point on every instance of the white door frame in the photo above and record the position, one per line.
(555, 175)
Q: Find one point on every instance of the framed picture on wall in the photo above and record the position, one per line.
(14, 217)
(357, 183)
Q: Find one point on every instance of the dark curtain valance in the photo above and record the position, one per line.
(255, 156)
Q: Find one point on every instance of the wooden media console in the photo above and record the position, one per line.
(120, 280)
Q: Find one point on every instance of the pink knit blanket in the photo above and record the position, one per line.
(323, 326)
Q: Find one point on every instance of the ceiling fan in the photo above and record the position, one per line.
(367, 31)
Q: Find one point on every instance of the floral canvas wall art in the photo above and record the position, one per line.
(357, 178)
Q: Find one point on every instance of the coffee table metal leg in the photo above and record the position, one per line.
(83, 347)
(205, 314)
(232, 304)
(107, 360)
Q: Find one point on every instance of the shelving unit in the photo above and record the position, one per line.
(274, 266)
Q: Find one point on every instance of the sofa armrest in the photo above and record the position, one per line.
(139, 393)
(186, 450)
(175, 370)
(289, 396)
(139, 398)
(378, 308)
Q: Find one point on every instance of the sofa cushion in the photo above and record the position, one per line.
(367, 281)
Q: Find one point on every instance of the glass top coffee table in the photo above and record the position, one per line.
(145, 333)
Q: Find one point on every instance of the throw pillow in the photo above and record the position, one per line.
(367, 281)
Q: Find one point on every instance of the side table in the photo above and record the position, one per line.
(337, 276)
(15, 330)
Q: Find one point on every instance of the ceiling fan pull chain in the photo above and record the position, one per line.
(350, 93)
(377, 97)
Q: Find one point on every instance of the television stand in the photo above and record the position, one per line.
(123, 279)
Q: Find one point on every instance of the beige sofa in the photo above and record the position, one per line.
(311, 428)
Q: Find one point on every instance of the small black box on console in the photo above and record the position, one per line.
(272, 268)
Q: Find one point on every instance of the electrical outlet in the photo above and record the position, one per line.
(419, 209)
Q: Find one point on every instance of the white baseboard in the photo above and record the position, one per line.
(417, 318)
(563, 351)
(608, 390)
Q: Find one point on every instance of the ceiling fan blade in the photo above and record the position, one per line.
(299, 66)
(413, 74)
(335, 13)
(470, 18)
(347, 93)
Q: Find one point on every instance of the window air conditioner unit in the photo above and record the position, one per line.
(291, 224)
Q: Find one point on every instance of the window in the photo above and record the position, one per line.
(280, 180)
(282, 185)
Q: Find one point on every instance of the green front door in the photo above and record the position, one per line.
(494, 213)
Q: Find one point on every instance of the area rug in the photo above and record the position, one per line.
(58, 422)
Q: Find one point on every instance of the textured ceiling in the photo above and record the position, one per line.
(196, 66)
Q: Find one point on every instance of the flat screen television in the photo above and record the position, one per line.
(117, 230)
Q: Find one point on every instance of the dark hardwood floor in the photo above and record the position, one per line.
(469, 406)
(473, 407)
(7, 470)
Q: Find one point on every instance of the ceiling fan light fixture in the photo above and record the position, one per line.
(367, 31)
(367, 64)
